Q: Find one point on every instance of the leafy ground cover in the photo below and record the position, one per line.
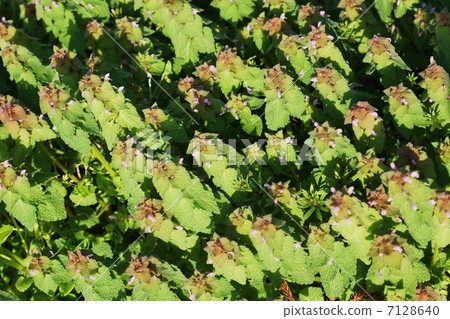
(224, 150)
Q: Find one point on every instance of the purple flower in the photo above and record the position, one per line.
(211, 274)
(392, 165)
(339, 131)
(281, 159)
(415, 174)
(333, 190)
(191, 296)
(275, 202)
(330, 261)
(355, 122)
(276, 258)
(347, 220)
(331, 143)
(383, 212)
(414, 206)
(77, 269)
(373, 132)
(132, 279)
(263, 238)
(92, 277)
(297, 245)
(179, 227)
(398, 248)
(380, 272)
(399, 219)
(380, 254)
(350, 190)
(249, 90)
(32, 272)
(253, 232)
(302, 73)
(432, 202)
(336, 210)
(404, 101)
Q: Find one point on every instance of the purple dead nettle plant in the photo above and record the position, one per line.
(141, 148)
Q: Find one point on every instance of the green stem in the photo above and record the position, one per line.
(18, 230)
(9, 262)
(99, 156)
(435, 258)
(6, 254)
(58, 163)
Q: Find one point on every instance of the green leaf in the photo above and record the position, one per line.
(24, 213)
(5, 231)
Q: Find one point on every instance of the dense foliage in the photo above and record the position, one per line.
(196, 150)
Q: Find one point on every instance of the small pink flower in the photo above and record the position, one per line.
(380, 272)
(414, 206)
(131, 280)
(107, 78)
(191, 295)
(231, 253)
(333, 190)
(92, 277)
(399, 219)
(392, 165)
(373, 132)
(195, 11)
(398, 248)
(263, 238)
(179, 227)
(350, 190)
(415, 174)
(380, 254)
(77, 269)
(432, 202)
(383, 212)
(297, 245)
(404, 101)
(331, 143)
(347, 220)
(90, 6)
(120, 89)
(279, 93)
(208, 164)
(330, 261)
(276, 258)
(389, 199)
(355, 122)
(372, 203)
(339, 131)
(336, 210)
(211, 274)
(32, 272)
(210, 261)
(253, 232)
